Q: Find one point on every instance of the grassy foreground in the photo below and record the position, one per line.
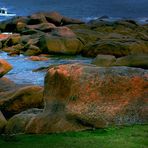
(122, 137)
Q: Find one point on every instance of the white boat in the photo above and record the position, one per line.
(4, 12)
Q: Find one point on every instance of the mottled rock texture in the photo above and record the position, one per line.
(79, 97)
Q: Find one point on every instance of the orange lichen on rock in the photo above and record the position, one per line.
(4, 67)
(91, 96)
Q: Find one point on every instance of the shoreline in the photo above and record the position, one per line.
(77, 95)
(140, 20)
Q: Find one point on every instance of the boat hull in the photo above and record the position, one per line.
(8, 14)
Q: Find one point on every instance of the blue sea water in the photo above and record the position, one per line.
(22, 72)
(82, 9)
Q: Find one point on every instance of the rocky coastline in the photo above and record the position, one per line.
(111, 91)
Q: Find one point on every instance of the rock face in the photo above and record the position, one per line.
(139, 61)
(3, 122)
(17, 123)
(16, 101)
(115, 47)
(60, 45)
(4, 67)
(72, 36)
(80, 96)
(63, 32)
(42, 27)
(104, 60)
(133, 61)
(6, 85)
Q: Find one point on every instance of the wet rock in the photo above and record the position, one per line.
(37, 58)
(8, 88)
(13, 50)
(4, 67)
(21, 99)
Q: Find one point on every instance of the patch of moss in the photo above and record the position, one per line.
(114, 137)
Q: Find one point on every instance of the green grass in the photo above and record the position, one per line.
(122, 137)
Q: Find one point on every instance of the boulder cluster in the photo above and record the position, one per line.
(111, 91)
(53, 33)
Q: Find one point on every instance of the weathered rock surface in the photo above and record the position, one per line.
(32, 50)
(6, 85)
(4, 67)
(60, 45)
(16, 101)
(17, 123)
(133, 61)
(104, 60)
(118, 38)
(45, 27)
(12, 40)
(38, 58)
(63, 32)
(80, 96)
(115, 47)
(139, 61)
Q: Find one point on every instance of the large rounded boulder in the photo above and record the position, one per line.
(79, 97)
(133, 61)
(18, 100)
(115, 47)
(18, 122)
(104, 60)
(60, 45)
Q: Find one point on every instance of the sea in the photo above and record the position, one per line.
(82, 9)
